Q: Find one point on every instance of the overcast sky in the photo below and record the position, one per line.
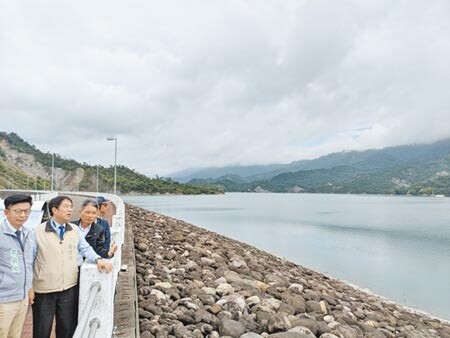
(198, 83)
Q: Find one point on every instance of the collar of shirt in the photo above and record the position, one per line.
(85, 231)
(11, 228)
(56, 225)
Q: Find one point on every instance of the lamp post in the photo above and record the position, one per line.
(115, 160)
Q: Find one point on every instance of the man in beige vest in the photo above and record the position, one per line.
(59, 251)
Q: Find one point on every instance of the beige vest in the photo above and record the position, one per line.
(55, 267)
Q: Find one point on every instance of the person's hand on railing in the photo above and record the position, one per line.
(112, 250)
(104, 266)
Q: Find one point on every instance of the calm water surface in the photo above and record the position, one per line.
(398, 247)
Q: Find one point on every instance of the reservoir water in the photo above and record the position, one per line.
(397, 247)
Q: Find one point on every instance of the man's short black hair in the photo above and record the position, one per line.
(17, 198)
(56, 202)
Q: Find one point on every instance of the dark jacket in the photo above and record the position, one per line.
(104, 223)
(96, 239)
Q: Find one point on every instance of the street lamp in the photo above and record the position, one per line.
(115, 160)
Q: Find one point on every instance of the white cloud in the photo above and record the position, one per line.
(209, 83)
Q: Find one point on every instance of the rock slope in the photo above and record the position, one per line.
(66, 180)
(195, 283)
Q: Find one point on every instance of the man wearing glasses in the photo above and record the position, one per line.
(17, 251)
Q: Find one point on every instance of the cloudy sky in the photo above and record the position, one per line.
(197, 83)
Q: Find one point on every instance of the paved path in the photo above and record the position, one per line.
(28, 328)
(126, 319)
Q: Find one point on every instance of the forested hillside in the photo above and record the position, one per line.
(23, 166)
(422, 169)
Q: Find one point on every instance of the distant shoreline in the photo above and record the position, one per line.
(281, 193)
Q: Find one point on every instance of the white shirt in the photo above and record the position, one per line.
(84, 231)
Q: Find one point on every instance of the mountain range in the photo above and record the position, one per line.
(23, 166)
(418, 169)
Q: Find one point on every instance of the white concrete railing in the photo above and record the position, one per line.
(98, 311)
(86, 314)
(44, 196)
(39, 199)
(37, 195)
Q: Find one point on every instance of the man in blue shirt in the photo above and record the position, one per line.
(17, 251)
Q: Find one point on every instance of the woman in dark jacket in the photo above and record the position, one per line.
(93, 232)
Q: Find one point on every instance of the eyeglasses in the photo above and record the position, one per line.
(21, 211)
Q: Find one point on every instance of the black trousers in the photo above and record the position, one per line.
(62, 305)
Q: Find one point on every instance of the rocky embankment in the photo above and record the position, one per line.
(195, 283)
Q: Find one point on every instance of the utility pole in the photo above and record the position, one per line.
(115, 160)
(53, 170)
(97, 179)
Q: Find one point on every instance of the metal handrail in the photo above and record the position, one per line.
(94, 324)
(82, 323)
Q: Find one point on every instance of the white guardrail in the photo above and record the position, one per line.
(39, 199)
(97, 290)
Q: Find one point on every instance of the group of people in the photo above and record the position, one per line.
(41, 267)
